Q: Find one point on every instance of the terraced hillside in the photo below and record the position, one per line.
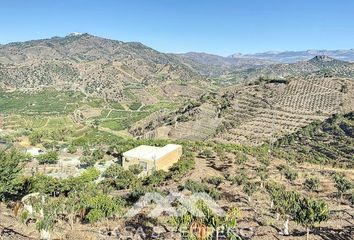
(330, 141)
(267, 111)
(254, 113)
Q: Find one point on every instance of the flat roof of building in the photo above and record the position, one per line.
(150, 153)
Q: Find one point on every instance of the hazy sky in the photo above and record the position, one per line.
(215, 26)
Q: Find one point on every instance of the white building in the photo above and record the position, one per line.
(152, 158)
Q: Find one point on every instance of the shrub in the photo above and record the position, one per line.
(196, 187)
(241, 158)
(138, 192)
(312, 184)
(50, 157)
(351, 198)
(250, 188)
(36, 137)
(342, 184)
(239, 179)
(215, 180)
(207, 153)
(72, 149)
(88, 161)
(98, 154)
(156, 178)
(135, 106)
(102, 206)
(136, 169)
(290, 174)
(183, 166)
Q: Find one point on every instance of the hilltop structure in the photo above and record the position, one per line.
(152, 158)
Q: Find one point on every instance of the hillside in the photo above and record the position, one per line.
(260, 139)
(96, 66)
(327, 142)
(133, 88)
(253, 113)
(214, 65)
(320, 64)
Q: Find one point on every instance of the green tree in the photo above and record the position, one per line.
(342, 184)
(10, 170)
(213, 224)
(311, 212)
(71, 207)
(45, 213)
(50, 157)
(120, 178)
(102, 206)
(285, 203)
(47, 218)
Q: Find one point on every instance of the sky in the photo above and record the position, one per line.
(220, 27)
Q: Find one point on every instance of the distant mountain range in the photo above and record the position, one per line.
(295, 56)
(106, 68)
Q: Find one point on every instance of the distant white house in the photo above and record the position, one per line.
(33, 151)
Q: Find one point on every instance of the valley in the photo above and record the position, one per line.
(269, 141)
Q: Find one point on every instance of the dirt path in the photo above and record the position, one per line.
(109, 113)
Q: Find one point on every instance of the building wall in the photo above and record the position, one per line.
(165, 162)
(127, 162)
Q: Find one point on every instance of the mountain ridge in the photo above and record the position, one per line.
(100, 66)
(294, 56)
